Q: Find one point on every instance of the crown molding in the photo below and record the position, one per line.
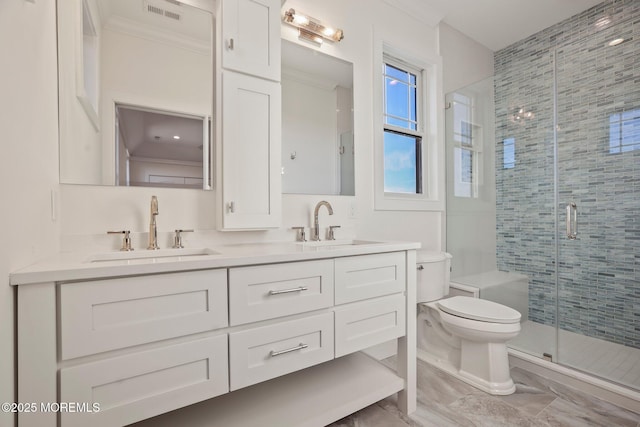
(136, 29)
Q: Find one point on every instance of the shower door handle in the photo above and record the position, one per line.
(572, 221)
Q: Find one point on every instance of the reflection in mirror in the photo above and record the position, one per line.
(152, 54)
(159, 148)
(87, 84)
(317, 122)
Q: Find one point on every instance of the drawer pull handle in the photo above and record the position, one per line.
(287, 291)
(289, 350)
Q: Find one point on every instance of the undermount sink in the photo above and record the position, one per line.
(332, 244)
(149, 255)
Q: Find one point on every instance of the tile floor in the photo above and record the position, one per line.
(605, 359)
(445, 401)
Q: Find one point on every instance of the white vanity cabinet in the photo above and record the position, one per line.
(270, 343)
(248, 122)
(249, 190)
(251, 37)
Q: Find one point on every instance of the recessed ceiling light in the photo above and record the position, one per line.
(615, 42)
(176, 136)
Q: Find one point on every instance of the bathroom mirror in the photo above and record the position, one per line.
(136, 92)
(317, 122)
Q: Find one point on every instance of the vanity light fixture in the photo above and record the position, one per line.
(310, 29)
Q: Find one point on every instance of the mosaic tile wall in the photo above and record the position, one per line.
(598, 148)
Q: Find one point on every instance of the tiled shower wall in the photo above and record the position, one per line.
(568, 77)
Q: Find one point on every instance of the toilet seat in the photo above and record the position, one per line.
(479, 310)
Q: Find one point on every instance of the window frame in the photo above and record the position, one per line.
(431, 128)
(417, 133)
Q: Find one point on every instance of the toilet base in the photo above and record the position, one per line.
(501, 387)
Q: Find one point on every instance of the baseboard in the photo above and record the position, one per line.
(604, 390)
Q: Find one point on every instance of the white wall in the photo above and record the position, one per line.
(29, 149)
(309, 129)
(144, 171)
(465, 61)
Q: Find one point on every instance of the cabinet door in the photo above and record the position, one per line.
(251, 37)
(250, 153)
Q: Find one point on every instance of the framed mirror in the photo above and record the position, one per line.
(136, 92)
(317, 122)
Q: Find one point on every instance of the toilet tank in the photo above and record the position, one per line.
(434, 271)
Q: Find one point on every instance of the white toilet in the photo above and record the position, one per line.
(462, 335)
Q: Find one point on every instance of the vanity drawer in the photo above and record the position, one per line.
(269, 291)
(104, 315)
(369, 276)
(136, 386)
(367, 323)
(262, 353)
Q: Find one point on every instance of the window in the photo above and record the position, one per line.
(467, 138)
(403, 165)
(624, 132)
(509, 153)
(408, 141)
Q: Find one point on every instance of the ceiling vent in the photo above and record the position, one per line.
(167, 8)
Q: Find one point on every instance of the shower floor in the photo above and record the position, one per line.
(614, 362)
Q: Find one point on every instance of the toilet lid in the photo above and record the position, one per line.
(479, 309)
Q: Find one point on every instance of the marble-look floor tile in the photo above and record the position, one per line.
(590, 406)
(436, 387)
(371, 416)
(434, 415)
(562, 413)
(529, 399)
(444, 401)
(487, 411)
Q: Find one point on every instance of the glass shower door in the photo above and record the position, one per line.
(501, 197)
(598, 205)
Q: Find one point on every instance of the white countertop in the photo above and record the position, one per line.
(73, 266)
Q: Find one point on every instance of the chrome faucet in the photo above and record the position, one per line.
(315, 231)
(153, 229)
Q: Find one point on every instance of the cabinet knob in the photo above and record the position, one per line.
(230, 44)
